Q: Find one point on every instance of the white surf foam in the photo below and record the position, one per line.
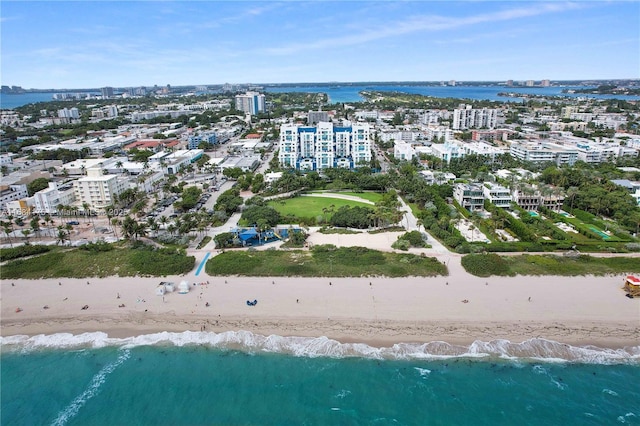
(94, 387)
(533, 349)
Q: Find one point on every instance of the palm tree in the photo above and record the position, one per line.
(115, 221)
(129, 228)
(35, 225)
(85, 210)
(26, 233)
(62, 235)
(7, 227)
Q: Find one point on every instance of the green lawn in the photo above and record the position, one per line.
(374, 197)
(322, 262)
(311, 206)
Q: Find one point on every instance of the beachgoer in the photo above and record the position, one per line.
(447, 282)
(59, 283)
(297, 300)
(13, 285)
(18, 309)
(118, 296)
(45, 307)
(529, 299)
(206, 304)
(330, 283)
(87, 282)
(66, 298)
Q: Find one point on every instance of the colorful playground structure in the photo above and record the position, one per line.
(252, 236)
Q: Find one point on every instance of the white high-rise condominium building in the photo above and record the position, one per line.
(250, 102)
(69, 113)
(467, 118)
(324, 146)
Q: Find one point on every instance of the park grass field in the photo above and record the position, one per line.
(313, 206)
(374, 197)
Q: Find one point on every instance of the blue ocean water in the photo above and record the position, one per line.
(244, 379)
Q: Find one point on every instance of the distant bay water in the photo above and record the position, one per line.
(351, 92)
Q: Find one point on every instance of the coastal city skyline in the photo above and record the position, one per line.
(185, 43)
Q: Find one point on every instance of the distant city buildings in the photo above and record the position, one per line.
(106, 92)
(324, 146)
(251, 103)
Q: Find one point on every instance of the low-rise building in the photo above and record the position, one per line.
(469, 195)
(498, 195)
(633, 187)
(48, 199)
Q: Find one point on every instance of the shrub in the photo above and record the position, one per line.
(485, 265)
(22, 251)
(97, 247)
(401, 244)
(414, 238)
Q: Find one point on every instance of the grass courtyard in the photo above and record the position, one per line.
(314, 206)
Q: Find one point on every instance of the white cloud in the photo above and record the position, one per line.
(419, 24)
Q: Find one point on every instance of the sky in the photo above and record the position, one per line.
(89, 44)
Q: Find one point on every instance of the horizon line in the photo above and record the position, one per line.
(336, 83)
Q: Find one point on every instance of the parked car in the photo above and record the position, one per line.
(73, 222)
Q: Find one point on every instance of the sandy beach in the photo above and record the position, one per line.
(458, 308)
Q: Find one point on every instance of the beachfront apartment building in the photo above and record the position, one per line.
(250, 103)
(324, 146)
(10, 193)
(99, 191)
(467, 117)
(469, 195)
(48, 199)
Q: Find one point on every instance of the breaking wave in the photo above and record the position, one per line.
(534, 349)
